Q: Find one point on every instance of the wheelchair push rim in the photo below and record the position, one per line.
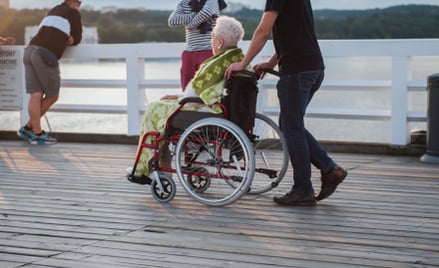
(219, 151)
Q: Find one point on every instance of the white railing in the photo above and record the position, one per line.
(400, 82)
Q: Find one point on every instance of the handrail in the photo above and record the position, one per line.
(399, 51)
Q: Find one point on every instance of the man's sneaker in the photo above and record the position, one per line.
(25, 134)
(42, 139)
(330, 181)
(295, 198)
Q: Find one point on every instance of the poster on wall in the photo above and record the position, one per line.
(11, 82)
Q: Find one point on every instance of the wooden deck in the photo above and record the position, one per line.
(69, 205)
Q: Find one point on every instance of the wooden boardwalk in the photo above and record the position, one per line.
(69, 205)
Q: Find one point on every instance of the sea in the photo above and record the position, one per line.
(359, 68)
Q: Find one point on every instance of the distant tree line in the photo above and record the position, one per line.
(407, 21)
(135, 26)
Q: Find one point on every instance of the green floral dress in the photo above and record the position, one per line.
(207, 84)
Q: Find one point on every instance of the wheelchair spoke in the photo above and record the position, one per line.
(225, 159)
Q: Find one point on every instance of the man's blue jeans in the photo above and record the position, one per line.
(295, 91)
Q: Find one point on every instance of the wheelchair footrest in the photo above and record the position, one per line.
(271, 173)
(139, 179)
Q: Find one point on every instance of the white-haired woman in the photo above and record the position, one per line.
(207, 84)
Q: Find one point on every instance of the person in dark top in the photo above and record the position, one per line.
(61, 27)
(301, 69)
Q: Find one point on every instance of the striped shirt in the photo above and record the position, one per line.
(184, 16)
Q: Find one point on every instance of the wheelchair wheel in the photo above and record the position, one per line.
(271, 155)
(169, 188)
(217, 151)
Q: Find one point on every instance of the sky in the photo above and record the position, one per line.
(259, 4)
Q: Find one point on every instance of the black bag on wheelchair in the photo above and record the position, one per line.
(183, 119)
(240, 101)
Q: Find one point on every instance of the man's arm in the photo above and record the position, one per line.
(7, 40)
(76, 30)
(259, 39)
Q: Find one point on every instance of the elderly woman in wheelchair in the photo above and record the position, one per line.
(209, 150)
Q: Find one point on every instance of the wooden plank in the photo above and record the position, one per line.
(69, 205)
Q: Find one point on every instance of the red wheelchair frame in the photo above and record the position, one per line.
(228, 143)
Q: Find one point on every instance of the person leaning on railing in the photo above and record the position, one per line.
(61, 27)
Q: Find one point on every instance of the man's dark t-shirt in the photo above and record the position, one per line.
(61, 22)
(294, 36)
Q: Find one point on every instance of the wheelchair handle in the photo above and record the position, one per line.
(249, 73)
(255, 75)
(271, 71)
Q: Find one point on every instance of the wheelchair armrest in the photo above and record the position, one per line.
(191, 99)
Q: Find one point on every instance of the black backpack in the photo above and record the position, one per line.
(240, 101)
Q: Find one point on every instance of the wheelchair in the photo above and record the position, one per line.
(218, 157)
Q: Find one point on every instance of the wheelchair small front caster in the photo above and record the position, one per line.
(164, 191)
(142, 180)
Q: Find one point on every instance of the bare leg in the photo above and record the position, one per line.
(38, 106)
(34, 109)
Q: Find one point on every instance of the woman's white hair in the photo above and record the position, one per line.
(230, 29)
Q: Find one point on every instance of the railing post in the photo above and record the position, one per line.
(400, 131)
(262, 100)
(24, 114)
(135, 72)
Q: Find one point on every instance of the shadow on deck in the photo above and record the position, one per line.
(69, 205)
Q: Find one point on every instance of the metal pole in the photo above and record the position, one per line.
(432, 154)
